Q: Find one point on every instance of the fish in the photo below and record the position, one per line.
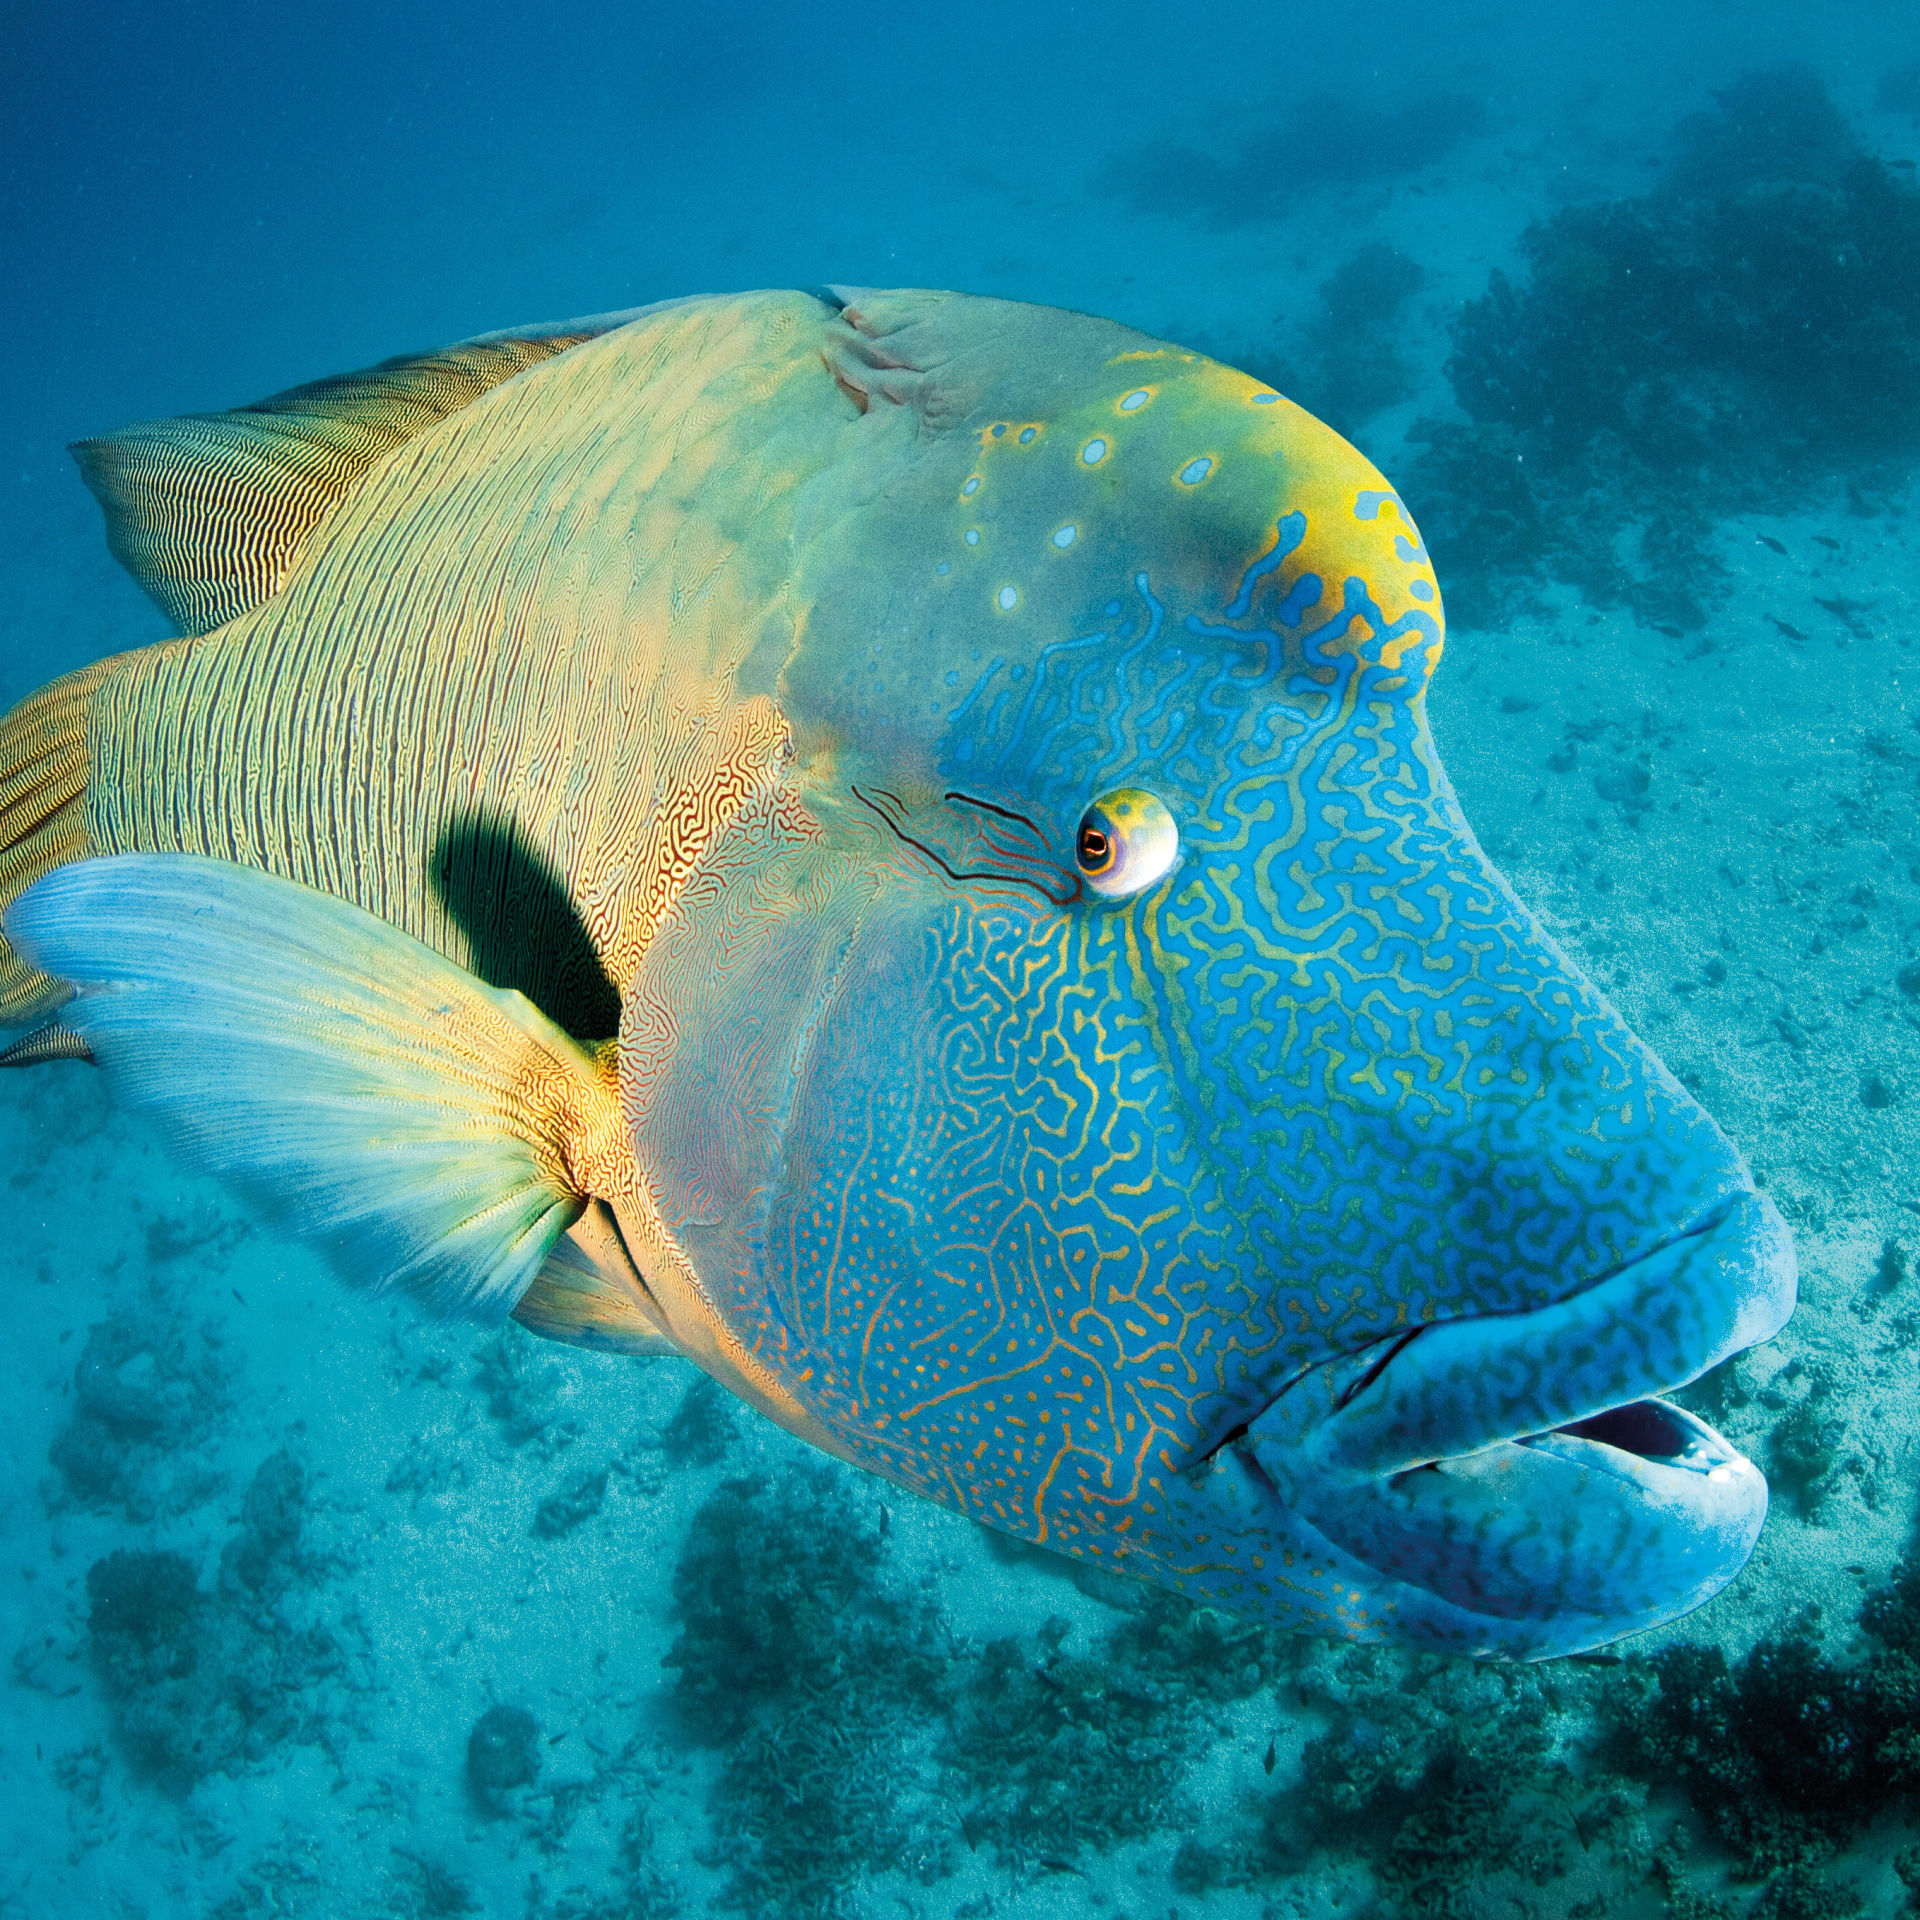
(888, 843)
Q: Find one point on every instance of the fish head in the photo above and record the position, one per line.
(1108, 1082)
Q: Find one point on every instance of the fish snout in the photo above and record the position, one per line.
(1648, 1326)
(1566, 1539)
(1511, 1485)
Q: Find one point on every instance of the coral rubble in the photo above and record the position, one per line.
(148, 1390)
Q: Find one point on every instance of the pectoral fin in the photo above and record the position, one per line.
(424, 1130)
(590, 1294)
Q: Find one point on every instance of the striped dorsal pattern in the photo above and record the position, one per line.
(209, 511)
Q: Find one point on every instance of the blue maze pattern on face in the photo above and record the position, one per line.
(1074, 1193)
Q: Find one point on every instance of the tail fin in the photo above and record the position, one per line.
(44, 766)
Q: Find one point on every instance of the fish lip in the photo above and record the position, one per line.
(1439, 1459)
(1644, 1538)
(1654, 1430)
(1744, 1223)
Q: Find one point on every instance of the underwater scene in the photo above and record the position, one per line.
(790, 1130)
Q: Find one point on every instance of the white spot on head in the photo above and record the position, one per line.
(1064, 536)
(971, 488)
(1093, 453)
(1137, 398)
(973, 536)
(1195, 471)
(1008, 597)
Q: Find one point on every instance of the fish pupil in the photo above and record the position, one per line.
(1095, 849)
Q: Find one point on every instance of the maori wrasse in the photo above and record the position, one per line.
(889, 844)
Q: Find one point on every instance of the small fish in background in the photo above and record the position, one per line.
(889, 844)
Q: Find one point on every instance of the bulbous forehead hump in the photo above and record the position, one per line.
(1023, 480)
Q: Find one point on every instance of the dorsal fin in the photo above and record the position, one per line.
(209, 511)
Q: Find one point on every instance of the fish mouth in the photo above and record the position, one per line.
(1512, 1485)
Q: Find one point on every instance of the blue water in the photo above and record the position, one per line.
(431, 1576)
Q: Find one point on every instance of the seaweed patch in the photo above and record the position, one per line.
(1346, 360)
(1352, 364)
(813, 1673)
(503, 1752)
(1302, 146)
(202, 1682)
(1731, 341)
(149, 1392)
(1788, 1753)
(524, 1387)
(702, 1426)
(1058, 1748)
(1454, 1786)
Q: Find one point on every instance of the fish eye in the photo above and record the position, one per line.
(1125, 842)
(1094, 850)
